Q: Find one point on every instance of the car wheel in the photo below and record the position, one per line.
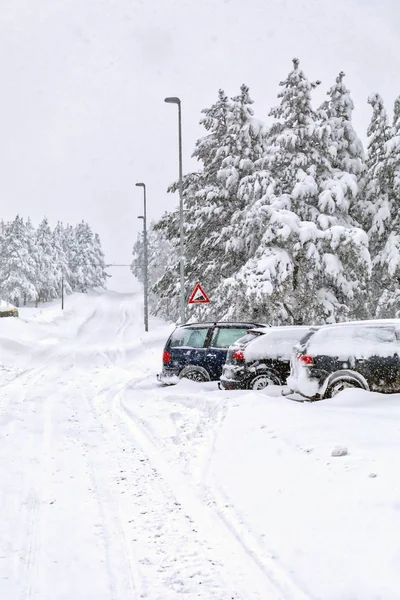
(341, 385)
(263, 380)
(197, 374)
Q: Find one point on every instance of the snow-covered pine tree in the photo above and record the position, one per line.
(85, 257)
(344, 188)
(99, 274)
(203, 198)
(370, 213)
(17, 264)
(226, 154)
(71, 250)
(310, 262)
(47, 273)
(382, 197)
(345, 148)
(60, 248)
(159, 259)
(247, 137)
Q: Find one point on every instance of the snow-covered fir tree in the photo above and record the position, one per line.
(47, 271)
(344, 146)
(61, 258)
(18, 268)
(228, 152)
(311, 263)
(87, 260)
(159, 262)
(33, 262)
(100, 275)
(382, 209)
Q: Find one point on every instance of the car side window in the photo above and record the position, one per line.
(226, 336)
(189, 337)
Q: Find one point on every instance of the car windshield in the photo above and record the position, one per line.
(351, 340)
(275, 344)
(189, 337)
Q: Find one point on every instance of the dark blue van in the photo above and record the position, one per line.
(197, 351)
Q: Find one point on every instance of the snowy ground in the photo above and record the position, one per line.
(113, 488)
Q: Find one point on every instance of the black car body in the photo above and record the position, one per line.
(363, 354)
(261, 358)
(198, 351)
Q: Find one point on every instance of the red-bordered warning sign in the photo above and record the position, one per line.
(199, 296)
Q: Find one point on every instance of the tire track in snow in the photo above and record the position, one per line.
(27, 545)
(12, 389)
(174, 558)
(129, 580)
(264, 579)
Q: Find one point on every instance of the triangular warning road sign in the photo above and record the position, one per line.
(199, 296)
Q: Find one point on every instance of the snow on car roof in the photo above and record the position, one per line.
(277, 342)
(357, 339)
(249, 324)
(269, 329)
(365, 322)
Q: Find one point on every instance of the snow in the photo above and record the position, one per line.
(276, 342)
(348, 341)
(115, 488)
(4, 305)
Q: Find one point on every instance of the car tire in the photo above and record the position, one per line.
(197, 374)
(340, 385)
(263, 380)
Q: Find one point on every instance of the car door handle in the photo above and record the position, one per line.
(211, 355)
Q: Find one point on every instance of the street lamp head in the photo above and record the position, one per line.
(172, 100)
(140, 184)
(141, 217)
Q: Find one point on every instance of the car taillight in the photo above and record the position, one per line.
(238, 355)
(304, 359)
(166, 357)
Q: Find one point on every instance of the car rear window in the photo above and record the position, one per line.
(359, 341)
(226, 336)
(189, 337)
(304, 340)
(275, 344)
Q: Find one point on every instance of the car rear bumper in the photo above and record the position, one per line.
(303, 384)
(234, 377)
(229, 384)
(168, 377)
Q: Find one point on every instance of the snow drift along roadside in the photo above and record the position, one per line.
(305, 523)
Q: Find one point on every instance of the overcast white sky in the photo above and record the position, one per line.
(83, 82)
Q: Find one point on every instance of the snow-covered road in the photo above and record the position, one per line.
(113, 488)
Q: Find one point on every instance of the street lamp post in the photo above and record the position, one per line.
(146, 266)
(174, 100)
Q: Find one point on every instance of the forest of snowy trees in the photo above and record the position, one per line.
(290, 222)
(33, 262)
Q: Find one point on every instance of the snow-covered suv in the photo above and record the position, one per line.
(198, 351)
(363, 354)
(261, 358)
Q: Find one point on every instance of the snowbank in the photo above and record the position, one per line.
(327, 525)
(185, 485)
(6, 306)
